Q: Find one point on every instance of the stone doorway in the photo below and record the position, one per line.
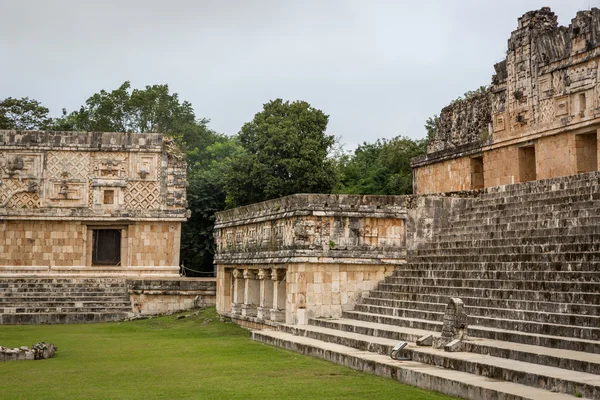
(586, 150)
(106, 247)
(527, 171)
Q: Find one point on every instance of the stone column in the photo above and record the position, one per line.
(279, 295)
(251, 293)
(266, 294)
(238, 292)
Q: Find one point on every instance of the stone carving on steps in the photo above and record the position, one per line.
(454, 330)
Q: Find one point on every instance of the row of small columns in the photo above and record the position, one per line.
(259, 293)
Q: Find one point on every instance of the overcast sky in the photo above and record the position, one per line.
(377, 68)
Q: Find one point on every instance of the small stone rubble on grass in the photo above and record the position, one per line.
(39, 351)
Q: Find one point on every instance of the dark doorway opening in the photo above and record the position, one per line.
(106, 248)
(527, 170)
(586, 151)
(477, 173)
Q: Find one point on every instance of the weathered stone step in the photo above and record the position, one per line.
(542, 377)
(485, 332)
(522, 222)
(526, 266)
(590, 222)
(530, 213)
(515, 249)
(66, 309)
(549, 286)
(582, 276)
(65, 304)
(509, 242)
(63, 300)
(589, 256)
(512, 294)
(567, 359)
(494, 233)
(61, 318)
(111, 290)
(443, 380)
(71, 295)
(569, 182)
(578, 326)
(434, 302)
(546, 199)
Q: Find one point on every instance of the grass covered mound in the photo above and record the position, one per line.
(168, 358)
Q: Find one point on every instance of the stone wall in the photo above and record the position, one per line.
(548, 85)
(158, 296)
(57, 187)
(305, 256)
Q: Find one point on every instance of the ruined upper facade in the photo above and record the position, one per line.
(90, 198)
(537, 120)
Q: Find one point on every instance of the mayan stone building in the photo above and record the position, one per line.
(538, 119)
(483, 285)
(90, 227)
(84, 199)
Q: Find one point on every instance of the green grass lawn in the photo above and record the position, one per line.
(164, 358)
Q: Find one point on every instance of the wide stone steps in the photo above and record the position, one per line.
(541, 376)
(591, 256)
(543, 186)
(579, 326)
(452, 235)
(531, 213)
(438, 303)
(484, 332)
(523, 248)
(62, 318)
(571, 276)
(548, 286)
(507, 294)
(545, 198)
(424, 375)
(478, 311)
(509, 242)
(574, 360)
(35, 300)
(504, 266)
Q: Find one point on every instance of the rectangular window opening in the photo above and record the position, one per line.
(106, 248)
(586, 152)
(477, 173)
(527, 170)
(109, 197)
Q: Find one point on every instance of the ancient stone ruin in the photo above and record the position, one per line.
(38, 351)
(91, 214)
(501, 239)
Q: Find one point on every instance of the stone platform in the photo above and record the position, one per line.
(85, 298)
(523, 258)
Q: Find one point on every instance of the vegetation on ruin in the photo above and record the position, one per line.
(283, 150)
(154, 359)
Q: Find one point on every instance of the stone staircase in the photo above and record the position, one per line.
(62, 300)
(525, 260)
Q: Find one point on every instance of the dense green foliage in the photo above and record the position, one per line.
(382, 167)
(164, 358)
(23, 114)
(283, 150)
(286, 151)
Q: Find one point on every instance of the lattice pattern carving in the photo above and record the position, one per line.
(142, 195)
(546, 112)
(75, 163)
(15, 194)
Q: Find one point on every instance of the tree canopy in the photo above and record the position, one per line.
(286, 152)
(284, 149)
(23, 114)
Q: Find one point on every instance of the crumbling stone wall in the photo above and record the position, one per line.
(56, 187)
(548, 85)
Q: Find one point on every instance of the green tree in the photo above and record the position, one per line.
(23, 114)
(431, 126)
(286, 152)
(155, 109)
(380, 168)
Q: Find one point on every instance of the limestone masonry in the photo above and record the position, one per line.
(90, 227)
(490, 271)
(538, 119)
